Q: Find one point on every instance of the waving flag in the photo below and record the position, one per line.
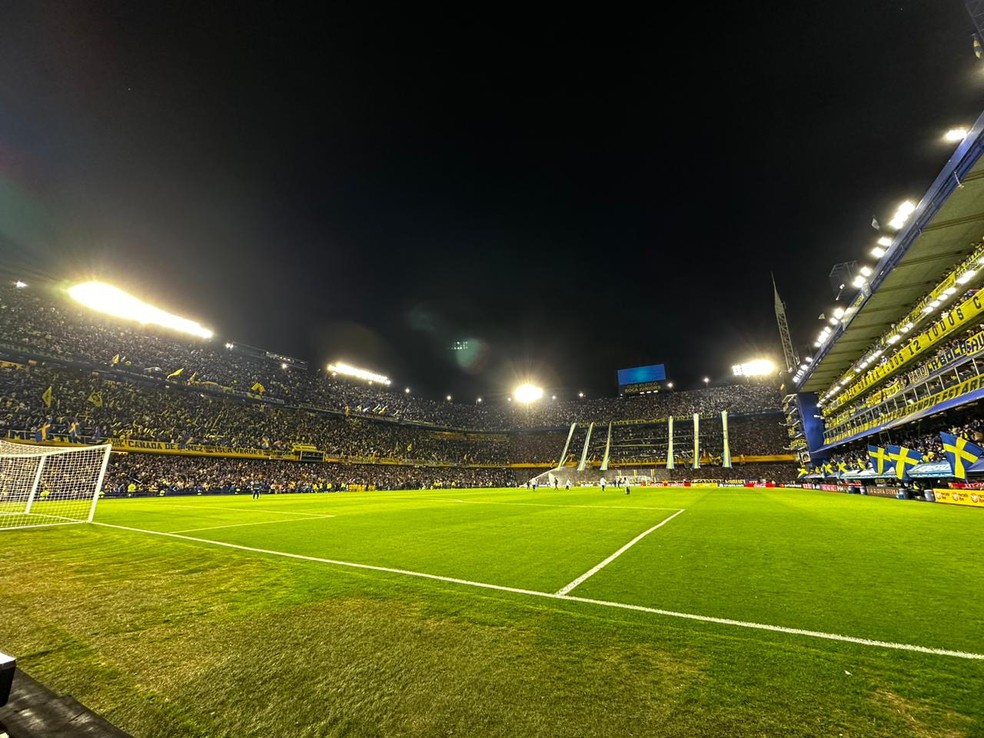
(880, 460)
(961, 454)
(903, 458)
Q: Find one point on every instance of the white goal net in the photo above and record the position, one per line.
(40, 485)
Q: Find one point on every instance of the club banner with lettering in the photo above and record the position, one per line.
(939, 329)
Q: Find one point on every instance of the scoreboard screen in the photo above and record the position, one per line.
(640, 377)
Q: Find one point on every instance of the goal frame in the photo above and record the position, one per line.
(44, 455)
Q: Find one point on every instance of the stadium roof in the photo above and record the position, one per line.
(945, 228)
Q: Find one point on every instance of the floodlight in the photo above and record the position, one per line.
(706, 380)
(838, 312)
(884, 241)
(877, 252)
(229, 346)
(955, 135)
(340, 367)
(527, 393)
(479, 399)
(902, 214)
(865, 271)
(406, 390)
(580, 394)
(754, 368)
(858, 281)
(448, 398)
(105, 298)
(966, 276)
(670, 385)
(283, 365)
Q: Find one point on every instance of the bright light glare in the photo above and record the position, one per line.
(105, 298)
(527, 393)
(884, 241)
(340, 367)
(20, 285)
(902, 214)
(878, 252)
(955, 135)
(754, 368)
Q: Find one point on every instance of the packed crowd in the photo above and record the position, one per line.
(152, 474)
(70, 375)
(41, 323)
(947, 365)
(922, 437)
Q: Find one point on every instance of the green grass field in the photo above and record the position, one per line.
(437, 613)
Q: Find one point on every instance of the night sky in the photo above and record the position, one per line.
(571, 192)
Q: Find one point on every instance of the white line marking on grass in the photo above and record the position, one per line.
(547, 504)
(591, 572)
(241, 525)
(570, 598)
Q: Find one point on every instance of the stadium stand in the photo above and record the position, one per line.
(902, 372)
(227, 416)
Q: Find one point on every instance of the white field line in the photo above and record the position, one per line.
(547, 504)
(241, 525)
(594, 570)
(569, 598)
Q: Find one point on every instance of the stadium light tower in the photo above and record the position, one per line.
(789, 353)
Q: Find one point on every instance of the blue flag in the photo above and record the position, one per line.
(880, 460)
(961, 454)
(903, 458)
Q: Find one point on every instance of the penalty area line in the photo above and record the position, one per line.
(591, 572)
(574, 598)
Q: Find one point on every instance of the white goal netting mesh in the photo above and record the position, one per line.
(40, 485)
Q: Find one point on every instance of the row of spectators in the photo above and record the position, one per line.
(950, 363)
(41, 323)
(922, 437)
(51, 402)
(152, 474)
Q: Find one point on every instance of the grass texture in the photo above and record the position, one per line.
(172, 636)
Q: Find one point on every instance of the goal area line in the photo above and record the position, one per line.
(572, 598)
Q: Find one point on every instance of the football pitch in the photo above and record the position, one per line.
(669, 611)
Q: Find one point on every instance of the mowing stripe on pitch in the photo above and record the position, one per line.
(571, 598)
(264, 522)
(594, 570)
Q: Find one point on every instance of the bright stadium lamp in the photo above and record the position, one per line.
(527, 393)
(105, 298)
(340, 367)
(884, 241)
(754, 368)
(902, 214)
(955, 135)
(406, 390)
(448, 398)
(878, 252)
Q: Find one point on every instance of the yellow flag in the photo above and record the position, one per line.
(175, 373)
(96, 399)
(258, 388)
(116, 359)
(46, 397)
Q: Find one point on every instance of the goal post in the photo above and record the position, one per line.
(42, 485)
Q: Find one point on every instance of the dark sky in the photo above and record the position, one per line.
(573, 191)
